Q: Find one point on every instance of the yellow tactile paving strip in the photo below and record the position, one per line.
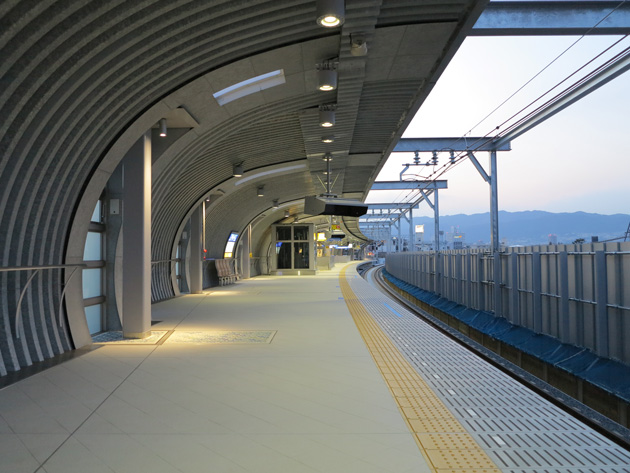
(443, 441)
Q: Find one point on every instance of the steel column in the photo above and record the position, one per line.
(436, 219)
(563, 273)
(480, 289)
(537, 296)
(494, 203)
(515, 316)
(601, 309)
(496, 272)
(412, 234)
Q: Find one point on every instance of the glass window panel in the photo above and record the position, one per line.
(92, 283)
(93, 317)
(300, 233)
(284, 255)
(283, 233)
(300, 255)
(96, 216)
(93, 247)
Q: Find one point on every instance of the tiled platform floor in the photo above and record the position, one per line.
(312, 400)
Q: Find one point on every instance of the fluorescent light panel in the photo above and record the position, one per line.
(250, 86)
(267, 173)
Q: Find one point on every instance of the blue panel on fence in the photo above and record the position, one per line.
(517, 336)
(605, 373)
(608, 374)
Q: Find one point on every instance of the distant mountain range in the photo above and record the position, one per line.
(530, 227)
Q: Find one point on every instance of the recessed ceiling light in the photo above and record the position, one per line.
(330, 13)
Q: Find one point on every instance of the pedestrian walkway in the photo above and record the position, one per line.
(267, 375)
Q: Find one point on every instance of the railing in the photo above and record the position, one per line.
(37, 270)
(579, 294)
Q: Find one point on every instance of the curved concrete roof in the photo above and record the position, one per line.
(83, 80)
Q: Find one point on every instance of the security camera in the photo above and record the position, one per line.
(358, 45)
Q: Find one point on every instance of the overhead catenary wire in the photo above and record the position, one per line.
(547, 66)
(475, 146)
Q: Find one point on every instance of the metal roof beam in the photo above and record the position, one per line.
(393, 205)
(380, 218)
(406, 145)
(403, 185)
(545, 18)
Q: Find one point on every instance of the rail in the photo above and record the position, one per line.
(37, 270)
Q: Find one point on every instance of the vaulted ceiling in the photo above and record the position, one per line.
(82, 80)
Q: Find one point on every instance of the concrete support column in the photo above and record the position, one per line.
(137, 240)
(196, 248)
(246, 245)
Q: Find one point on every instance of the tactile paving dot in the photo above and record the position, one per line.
(468, 470)
(447, 441)
(417, 391)
(460, 459)
(402, 383)
(419, 401)
(435, 425)
(426, 412)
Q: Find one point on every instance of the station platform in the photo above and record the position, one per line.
(288, 374)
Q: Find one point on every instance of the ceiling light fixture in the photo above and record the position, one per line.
(328, 139)
(286, 214)
(327, 157)
(260, 191)
(326, 76)
(275, 203)
(237, 170)
(326, 116)
(162, 127)
(330, 13)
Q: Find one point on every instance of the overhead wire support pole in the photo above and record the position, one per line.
(438, 260)
(494, 243)
(494, 202)
(492, 180)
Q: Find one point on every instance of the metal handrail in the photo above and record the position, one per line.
(165, 260)
(37, 269)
